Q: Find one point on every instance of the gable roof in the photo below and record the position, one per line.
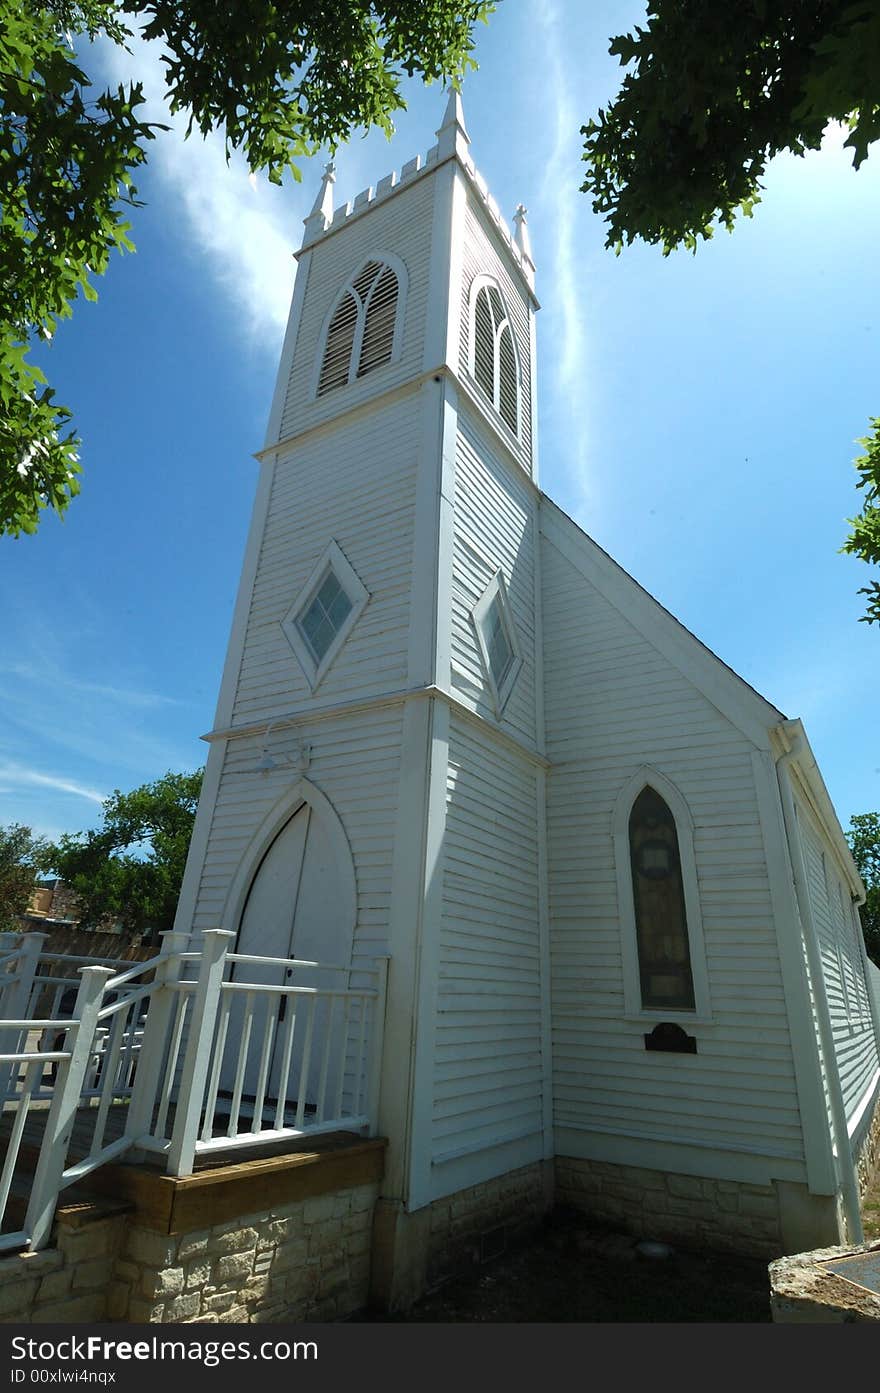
(729, 693)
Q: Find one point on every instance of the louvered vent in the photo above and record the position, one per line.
(494, 357)
(340, 341)
(507, 377)
(361, 333)
(381, 309)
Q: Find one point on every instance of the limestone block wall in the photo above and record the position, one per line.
(308, 1259)
(305, 1260)
(476, 1223)
(724, 1215)
(69, 1282)
(868, 1155)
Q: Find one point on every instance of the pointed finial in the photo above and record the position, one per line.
(452, 136)
(321, 216)
(521, 235)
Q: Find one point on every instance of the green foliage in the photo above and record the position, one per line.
(716, 91)
(864, 842)
(279, 79)
(131, 868)
(864, 540)
(65, 175)
(22, 857)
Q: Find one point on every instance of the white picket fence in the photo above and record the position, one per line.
(204, 1050)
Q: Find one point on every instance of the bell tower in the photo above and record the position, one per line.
(384, 663)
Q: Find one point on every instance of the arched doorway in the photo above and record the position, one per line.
(295, 900)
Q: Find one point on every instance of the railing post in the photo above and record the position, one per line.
(15, 1001)
(374, 1082)
(200, 1038)
(157, 1029)
(65, 1100)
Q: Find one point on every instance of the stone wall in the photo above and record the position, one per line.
(69, 1282)
(305, 1260)
(468, 1227)
(868, 1154)
(724, 1215)
(308, 1260)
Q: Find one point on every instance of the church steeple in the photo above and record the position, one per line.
(321, 216)
(452, 136)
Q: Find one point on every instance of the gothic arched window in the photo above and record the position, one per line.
(665, 976)
(493, 358)
(664, 961)
(363, 330)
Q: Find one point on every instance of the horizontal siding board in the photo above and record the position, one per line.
(488, 1079)
(614, 703)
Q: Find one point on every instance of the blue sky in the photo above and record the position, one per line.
(698, 418)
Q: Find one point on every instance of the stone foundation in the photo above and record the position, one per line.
(414, 1251)
(69, 1282)
(308, 1260)
(724, 1215)
(868, 1156)
(473, 1225)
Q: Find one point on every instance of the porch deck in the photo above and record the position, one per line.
(221, 1186)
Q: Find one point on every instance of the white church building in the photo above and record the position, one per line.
(625, 966)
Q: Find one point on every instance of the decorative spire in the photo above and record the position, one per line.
(452, 136)
(321, 216)
(521, 235)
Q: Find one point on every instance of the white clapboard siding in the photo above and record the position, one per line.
(855, 1045)
(354, 485)
(487, 1075)
(355, 761)
(401, 225)
(613, 703)
(494, 530)
(484, 255)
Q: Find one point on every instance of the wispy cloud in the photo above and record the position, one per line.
(560, 201)
(245, 228)
(51, 675)
(17, 775)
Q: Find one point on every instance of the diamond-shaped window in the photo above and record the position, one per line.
(497, 639)
(324, 613)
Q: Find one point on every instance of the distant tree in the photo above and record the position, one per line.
(130, 870)
(22, 857)
(864, 540)
(864, 840)
(715, 91)
(279, 79)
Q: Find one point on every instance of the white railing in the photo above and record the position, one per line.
(199, 1054)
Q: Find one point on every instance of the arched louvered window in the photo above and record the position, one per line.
(364, 327)
(494, 364)
(658, 897)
